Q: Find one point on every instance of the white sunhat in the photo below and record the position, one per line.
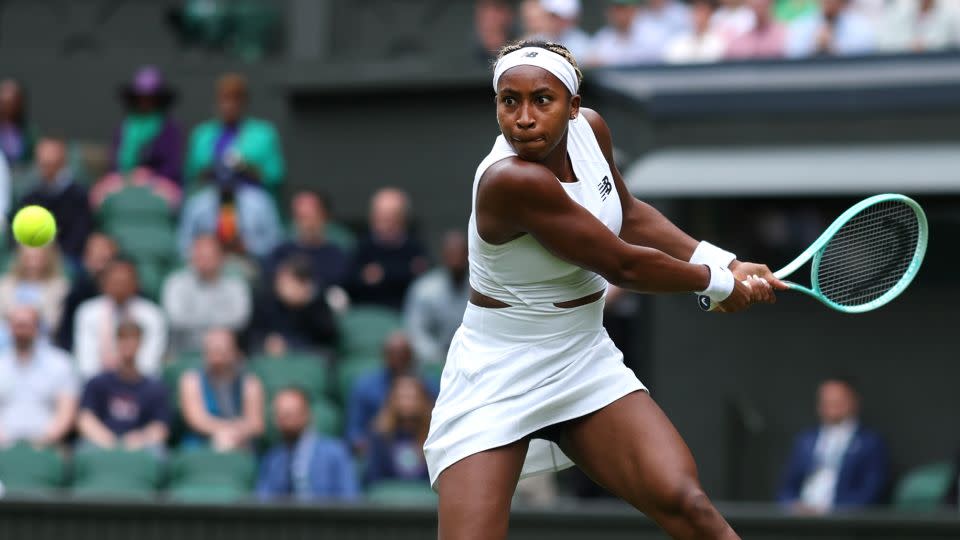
(568, 9)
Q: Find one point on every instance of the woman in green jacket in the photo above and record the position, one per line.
(250, 147)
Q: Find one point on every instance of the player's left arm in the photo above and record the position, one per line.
(644, 225)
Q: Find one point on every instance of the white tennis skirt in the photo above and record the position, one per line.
(513, 371)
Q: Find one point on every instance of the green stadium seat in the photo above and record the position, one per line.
(134, 205)
(327, 418)
(208, 494)
(352, 368)
(923, 488)
(341, 236)
(309, 372)
(432, 372)
(173, 370)
(363, 329)
(151, 276)
(402, 493)
(115, 473)
(201, 469)
(26, 470)
(146, 242)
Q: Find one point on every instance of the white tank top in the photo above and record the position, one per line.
(523, 272)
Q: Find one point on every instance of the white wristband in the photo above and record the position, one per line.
(721, 283)
(707, 253)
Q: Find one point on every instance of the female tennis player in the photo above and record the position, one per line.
(532, 382)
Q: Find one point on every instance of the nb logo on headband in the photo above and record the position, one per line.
(531, 54)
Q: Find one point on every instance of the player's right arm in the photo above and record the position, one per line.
(517, 197)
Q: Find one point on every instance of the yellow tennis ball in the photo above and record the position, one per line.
(34, 226)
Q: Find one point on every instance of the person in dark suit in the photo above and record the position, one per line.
(390, 257)
(839, 465)
(56, 190)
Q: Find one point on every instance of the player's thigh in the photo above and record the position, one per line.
(475, 493)
(631, 448)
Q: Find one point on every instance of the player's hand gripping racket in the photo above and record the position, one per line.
(866, 258)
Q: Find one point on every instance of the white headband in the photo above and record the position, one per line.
(542, 58)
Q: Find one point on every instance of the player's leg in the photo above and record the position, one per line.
(632, 449)
(475, 493)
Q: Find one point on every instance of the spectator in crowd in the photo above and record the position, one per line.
(149, 136)
(305, 465)
(435, 303)
(399, 431)
(242, 217)
(841, 464)
(247, 147)
(837, 30)
(534, 20)
(659, 22)
(38, 386)
(294, 314)
(36, 279)
(200, 297)
(67, 200)
(370, 391)
(310, 219)
(390, 258)
(920, 25)
(99, 250)
(222, 404)
(16, 135)
(6, 189)
(493, 24)
(732, 19)
(123, 408)
(95, 328)
(618, 43)
(562, 26)
(148, 145)
(767, 39)
(787, 11)
(702, 44)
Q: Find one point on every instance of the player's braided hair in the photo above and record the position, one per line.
(548, 45)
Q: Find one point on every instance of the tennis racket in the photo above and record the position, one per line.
(865, 259)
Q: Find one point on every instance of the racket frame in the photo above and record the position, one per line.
(815, 252)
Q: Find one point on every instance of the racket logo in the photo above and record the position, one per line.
(704, 302)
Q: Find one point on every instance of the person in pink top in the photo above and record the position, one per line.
(767, 39)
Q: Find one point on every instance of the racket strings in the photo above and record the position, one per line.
(870, 254)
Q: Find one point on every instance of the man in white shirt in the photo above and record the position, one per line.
(618, 43)
(660, 22)
(702, 44)
(841, 464)
(201, 297)
(838, 29)
(562, 17)
(96, 321)
(38, 385)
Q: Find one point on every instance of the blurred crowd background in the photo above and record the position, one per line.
(212, 325)
(639, 32)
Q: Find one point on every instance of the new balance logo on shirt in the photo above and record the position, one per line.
(605, 188)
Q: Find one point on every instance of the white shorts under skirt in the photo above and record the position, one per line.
(512, 371)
